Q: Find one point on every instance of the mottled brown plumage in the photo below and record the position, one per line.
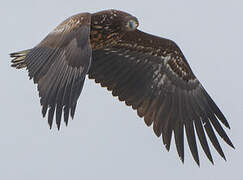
(149, 73)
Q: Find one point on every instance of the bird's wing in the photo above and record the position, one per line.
(152, 75)
(59, 65)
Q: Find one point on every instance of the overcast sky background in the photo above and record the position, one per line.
(106, 139)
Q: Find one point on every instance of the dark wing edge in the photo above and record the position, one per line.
(152, 75)
(59, 65)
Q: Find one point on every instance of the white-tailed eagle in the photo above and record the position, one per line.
(149, 73)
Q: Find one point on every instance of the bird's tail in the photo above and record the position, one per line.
(18, 59)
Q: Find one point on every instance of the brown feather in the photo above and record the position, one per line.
(149, 73)
(161, 92)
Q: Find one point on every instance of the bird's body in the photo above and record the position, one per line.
(149, 73)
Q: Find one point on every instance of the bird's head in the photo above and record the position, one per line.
(107, 26)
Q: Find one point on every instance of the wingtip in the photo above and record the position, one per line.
(167, 146)
(197, 161)
(224, 158)
(227, 125)
(50, 126)
(58, 125)
(230, 143)
(210, 158)
(66, 123)
(182, 159)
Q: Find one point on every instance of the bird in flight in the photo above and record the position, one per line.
(149, 73)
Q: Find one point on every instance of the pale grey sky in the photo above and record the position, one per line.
(106, 139)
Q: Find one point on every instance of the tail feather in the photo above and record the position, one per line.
(18, 60)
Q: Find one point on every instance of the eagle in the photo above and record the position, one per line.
(149, 73)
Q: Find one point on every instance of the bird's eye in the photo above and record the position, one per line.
(132, 24)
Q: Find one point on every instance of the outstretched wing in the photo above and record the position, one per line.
(152, 75)
(59, 65)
